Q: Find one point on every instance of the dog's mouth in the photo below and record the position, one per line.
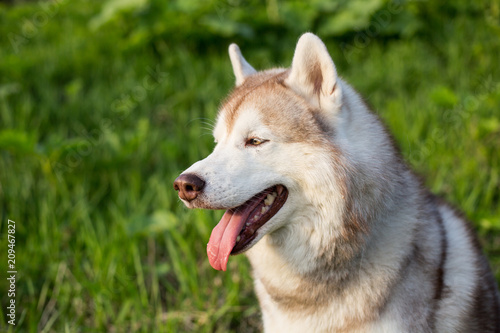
(239, 225)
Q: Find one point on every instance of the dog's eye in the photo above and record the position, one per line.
(254, 142)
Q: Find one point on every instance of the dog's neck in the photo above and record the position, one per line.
(292, 271)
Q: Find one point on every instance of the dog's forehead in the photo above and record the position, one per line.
(254, 86)
(272, 103)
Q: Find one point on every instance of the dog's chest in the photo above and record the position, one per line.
(293, 304)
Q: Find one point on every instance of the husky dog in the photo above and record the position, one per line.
(341, 235)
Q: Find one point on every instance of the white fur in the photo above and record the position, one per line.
(241, 67)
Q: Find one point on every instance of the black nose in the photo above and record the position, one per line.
(189, 186)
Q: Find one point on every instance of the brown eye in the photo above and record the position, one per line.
(254, 142)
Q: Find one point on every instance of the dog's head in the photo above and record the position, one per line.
(275, 137)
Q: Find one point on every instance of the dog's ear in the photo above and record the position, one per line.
(313, 74)
(241, 67)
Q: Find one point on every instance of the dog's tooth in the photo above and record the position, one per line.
(269, 200)
(238, 238)
(263, 210)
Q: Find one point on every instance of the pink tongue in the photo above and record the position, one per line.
(223, 237)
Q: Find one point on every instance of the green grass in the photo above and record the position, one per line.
(96, 124)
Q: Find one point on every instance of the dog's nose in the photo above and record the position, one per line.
(189, 186)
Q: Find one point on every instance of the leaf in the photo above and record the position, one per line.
(444, 97)
(16, 141)
(354, 16)
(114, 7)
(9, 89)
(489, 125)
(226, 27)
(156, 223)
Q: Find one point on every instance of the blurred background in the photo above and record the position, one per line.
(104, 103)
